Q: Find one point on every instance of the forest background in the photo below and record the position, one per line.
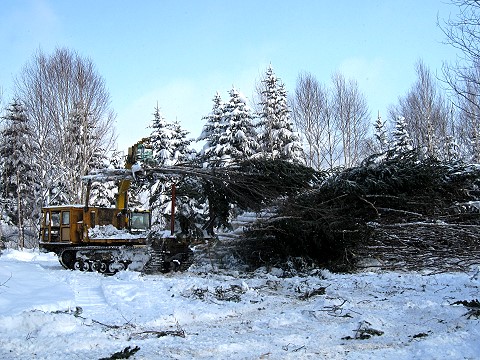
(59, 125)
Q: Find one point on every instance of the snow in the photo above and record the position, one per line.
(136, 168)
(61, 207)
(111, 232)
(47, 312)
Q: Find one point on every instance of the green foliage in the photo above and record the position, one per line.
(254, 184)
(328, 222)
(190, 213)
(218, 205)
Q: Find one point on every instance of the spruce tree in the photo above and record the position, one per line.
(19, 178)
(452, 151)
(210, 156)
(237, 143)
(170, 146)
(160, 190)
(288, 142)
(179, 144)
(85, 153)
(238, 139)
(103, 193)
(380, 135)
(212, 130)
(401, 141)
(277, 139)
(187, 190)
(160, 139)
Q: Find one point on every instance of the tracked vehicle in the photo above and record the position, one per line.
(109, 240)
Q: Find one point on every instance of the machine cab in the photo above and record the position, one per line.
(60, 224)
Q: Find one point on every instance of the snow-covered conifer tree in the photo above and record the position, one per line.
(83, 151)
(103, 193)
(19, 178)
(211, 156)
(179, 144)
(160, 139)
(212, 130)
(238, 140)
(452, 150)
(170, 146)
(277, 139)
(401, 141)
(231, 138)
(187, 190)
(381, 135)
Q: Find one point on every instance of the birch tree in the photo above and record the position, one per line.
(53, 88)
(333, 122)
(426, 112)
(312, 116)
(352, 116)
(462, 32)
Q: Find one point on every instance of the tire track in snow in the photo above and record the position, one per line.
(88, 294)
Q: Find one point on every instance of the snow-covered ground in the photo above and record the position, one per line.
(47, 312)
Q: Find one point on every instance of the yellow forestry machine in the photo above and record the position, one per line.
(109, 240)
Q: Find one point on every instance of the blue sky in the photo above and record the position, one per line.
(180, 53)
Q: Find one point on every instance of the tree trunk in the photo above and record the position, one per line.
(21, 237)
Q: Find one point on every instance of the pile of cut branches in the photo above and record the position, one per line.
(404, 212)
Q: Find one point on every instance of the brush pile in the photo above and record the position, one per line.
(393, 212)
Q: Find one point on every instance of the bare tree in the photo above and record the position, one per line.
(313, 119)
(66, 101)
(463, 33)
(467, 124)
(333, 122)
(352, 116)
(2, 106)
(426, 113)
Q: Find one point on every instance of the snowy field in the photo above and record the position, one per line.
(47, 312)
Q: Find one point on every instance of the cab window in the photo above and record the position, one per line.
(55, 218)
(66, 218)
(140, 221)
